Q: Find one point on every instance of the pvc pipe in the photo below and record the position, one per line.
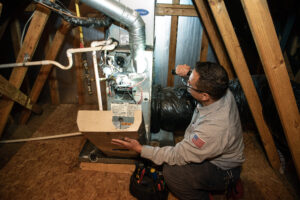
(69, 56)
(97, 79)
(41, 138)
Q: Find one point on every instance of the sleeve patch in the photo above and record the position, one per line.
(198, 141)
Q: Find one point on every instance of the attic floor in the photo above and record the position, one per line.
(50, 169)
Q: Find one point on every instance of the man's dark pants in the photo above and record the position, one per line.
(196, 180)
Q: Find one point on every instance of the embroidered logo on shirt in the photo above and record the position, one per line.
(198, 141)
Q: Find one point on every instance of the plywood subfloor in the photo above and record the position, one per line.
(50, 169)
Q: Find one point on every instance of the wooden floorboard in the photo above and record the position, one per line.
(50, 169)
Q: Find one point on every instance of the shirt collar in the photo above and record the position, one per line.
(204, 110)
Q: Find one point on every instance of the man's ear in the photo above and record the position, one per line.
(205, 96)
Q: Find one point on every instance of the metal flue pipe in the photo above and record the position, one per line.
(128, 17)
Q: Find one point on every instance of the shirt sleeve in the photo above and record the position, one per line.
(200, 145)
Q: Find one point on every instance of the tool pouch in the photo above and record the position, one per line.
(147, 182)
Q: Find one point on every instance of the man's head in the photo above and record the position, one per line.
(208, 82)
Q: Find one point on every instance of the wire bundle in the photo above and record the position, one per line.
(67, 15)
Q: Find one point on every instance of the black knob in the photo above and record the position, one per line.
(120, 61)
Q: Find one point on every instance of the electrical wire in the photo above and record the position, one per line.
(141, 90)
(62, 5)
(70, 17)
(139, 83)
(112, 66)
(23, 32)
(61, 11)
(132, 97)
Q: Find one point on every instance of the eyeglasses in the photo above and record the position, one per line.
(187, 84)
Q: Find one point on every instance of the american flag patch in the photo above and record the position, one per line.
(198, 141)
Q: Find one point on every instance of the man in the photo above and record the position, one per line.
(210, 156)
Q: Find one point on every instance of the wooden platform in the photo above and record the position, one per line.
(50, 169)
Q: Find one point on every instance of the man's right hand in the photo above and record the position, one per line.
(128, 143)
(182, 70)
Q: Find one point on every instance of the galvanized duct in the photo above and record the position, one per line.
(128, 17)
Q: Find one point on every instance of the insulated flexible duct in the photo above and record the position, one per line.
(128, 17)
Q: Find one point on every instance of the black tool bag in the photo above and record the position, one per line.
(147, 182)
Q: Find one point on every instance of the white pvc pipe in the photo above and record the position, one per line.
(69, 56)
(41, 138)
(97, 78)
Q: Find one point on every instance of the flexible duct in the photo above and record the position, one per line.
(128, 17)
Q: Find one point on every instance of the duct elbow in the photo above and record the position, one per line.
(131, 19)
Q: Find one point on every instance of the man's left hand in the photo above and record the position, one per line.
(128, 143)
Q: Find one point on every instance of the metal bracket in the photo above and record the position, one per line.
(26, 58)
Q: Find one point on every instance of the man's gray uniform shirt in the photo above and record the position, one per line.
(214, 134)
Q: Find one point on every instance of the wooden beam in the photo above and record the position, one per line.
(29, 45)
(53, 85)
(15, 33)
(3, 28)
(107, 167)
(45, 70)
(1, 8)
(53, 82)
(264, 34)
(30, 8)
(10, 91)
(79, 68)
(204, 47)
(234, 50)
(214, 36)
(52, 79)
(172, 48)
(175, 10)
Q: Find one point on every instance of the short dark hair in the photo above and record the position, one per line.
(213, 79)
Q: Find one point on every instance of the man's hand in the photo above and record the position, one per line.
(182, 70)
(128, 144)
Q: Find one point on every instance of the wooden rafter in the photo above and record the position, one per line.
(45, 70)
(53, 85)
(172, 49)
(30, 43)
(204, 47)
(3, 27)
(79, 69)
(15, 31)
(214, 36)
(1, 8)
(10, 91)
(264, 34)
(175, 10)
(237, 58)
